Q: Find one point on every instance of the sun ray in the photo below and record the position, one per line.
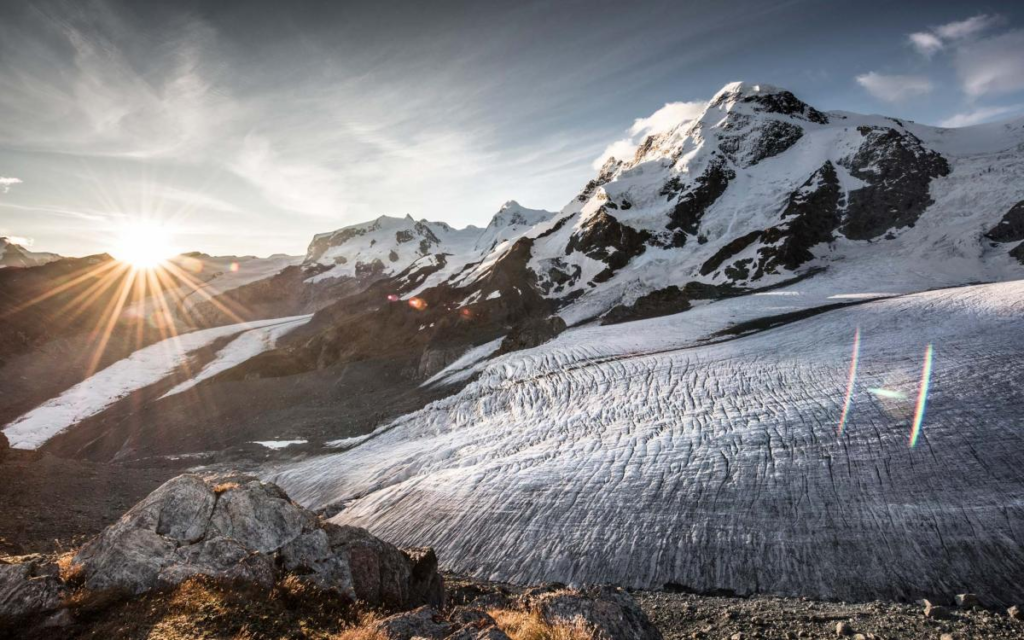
(112, 318)
(175, 271)
(94, 272)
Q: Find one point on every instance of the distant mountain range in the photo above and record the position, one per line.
(15, 255)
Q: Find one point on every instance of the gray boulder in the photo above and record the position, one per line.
(236, 527)
(424, 622)
(428, 623)
(612, 612)
(968, 601)
(29, 585)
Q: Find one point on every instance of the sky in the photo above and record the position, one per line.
(247, 127)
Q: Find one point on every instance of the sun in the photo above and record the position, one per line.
(143, 244)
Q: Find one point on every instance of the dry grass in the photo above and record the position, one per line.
(71, 573)
(205, 608)
(225, 486)
(530, 625)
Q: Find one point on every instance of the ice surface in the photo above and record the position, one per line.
(278, 444)
(635, 455)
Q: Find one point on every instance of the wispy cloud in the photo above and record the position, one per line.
(980, 115)
(895, 88)
(935, 39)
(7, 183)
(992, 66)
(672, 115)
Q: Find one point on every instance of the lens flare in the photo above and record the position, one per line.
(888, 394)
(418, 304)
(922, 396)
(852, 379)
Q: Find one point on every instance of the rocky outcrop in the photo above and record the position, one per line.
(898, 170)
(611, 612)
(5, 446)
(668, 301)
(606, 613)
(238, 528)
(530, 333)
(810, 218)
(695, 201)
(1011, 229)
(29, 585)
(604, 238)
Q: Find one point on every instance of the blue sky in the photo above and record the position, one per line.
(250, 126)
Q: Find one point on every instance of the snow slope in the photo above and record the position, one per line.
(146, 366)
(632, 455)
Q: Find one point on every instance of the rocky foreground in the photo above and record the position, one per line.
(230, 556)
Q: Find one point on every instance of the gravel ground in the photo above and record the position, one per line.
(680, 615)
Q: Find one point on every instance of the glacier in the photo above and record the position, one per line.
(664, 451)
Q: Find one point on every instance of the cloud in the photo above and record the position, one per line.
(979, 115)
(620, 150)
(992, 66)
(925, 43)
(6, 183)
(895, 88)
(969, 27)
(20, 240)
(672, 115)
(667, 118)
(929, 42)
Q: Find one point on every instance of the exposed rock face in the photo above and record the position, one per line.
(693, 203)
(1011, 227)
(604, 238)
(612, 612)
(236, 527)
(729, 250)
(898, 170)
(29, 585)
(810, 217)
(5, 446)
(667, 301)
(531, 333)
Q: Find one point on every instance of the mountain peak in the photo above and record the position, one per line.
(745, 89)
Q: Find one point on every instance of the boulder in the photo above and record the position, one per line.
(461, 623)
(1015, 613)
(934, 611)
(612, 612)
(424, 622)
(29, 585)
(238, 528)
(968, 601)
(844, 629)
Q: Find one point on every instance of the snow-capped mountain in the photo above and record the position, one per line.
(759, 189)
(388, 246)
(15, 255)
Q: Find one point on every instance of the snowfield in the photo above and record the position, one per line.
(141, 369)
(648, 453)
